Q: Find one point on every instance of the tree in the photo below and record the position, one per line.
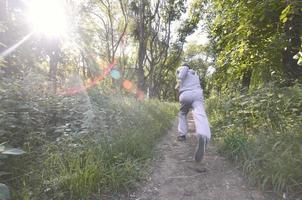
(291, 17)
(153, 33)
(197, 56)
(247, 43)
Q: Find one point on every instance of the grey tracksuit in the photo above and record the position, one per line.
(191, 96)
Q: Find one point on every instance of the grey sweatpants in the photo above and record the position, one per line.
(193, 99)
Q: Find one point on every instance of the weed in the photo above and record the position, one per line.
(262, 132)
(108, 154)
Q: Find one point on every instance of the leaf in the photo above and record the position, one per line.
(4, 192)
(13, 151)
(284, 19)
(285, 13)
(300, 62)
(296, 57)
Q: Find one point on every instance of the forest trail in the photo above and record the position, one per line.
(176, 176)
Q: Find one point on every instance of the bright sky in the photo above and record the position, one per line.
(198, 37)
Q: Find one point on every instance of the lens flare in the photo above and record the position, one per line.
(115, 74)
(127, 84)
(15, 46)
(140, 94)
(90, 83)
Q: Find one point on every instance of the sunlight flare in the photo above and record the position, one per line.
(48, 17)
(15, 46)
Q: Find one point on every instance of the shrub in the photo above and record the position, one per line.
(100, 144)
(262, 132)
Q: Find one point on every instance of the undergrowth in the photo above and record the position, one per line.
(261, 131)
(100, 144)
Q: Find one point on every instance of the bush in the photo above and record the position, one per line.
(90, 142)
(262, 132)
(98, 144)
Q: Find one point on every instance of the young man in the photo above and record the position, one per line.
(191, 96)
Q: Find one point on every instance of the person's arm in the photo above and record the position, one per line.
(177, 85)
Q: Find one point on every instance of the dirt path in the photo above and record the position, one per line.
(175, 176)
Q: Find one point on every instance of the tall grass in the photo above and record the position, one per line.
(108, 155)
(261, 131)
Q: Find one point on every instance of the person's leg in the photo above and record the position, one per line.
(201, 120)
(202, 128)
(182, 121)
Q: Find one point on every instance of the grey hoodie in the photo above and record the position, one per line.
(188, 79)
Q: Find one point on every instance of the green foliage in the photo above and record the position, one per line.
(4, 191)
(94, 140)
(298, 57)
(197, 56)
(157, 57)
(100, 144)
(262, 132)
(190, 24)
(248, 40)
(253, 44)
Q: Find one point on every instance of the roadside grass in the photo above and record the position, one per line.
(107, 156)
(261, 131)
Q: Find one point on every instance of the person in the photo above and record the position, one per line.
(191, 97)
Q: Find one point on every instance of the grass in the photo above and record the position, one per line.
(261, 131)
(108, 155)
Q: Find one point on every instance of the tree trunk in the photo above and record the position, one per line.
(246, 79)
(53, 68)
(141, 48)
(54, 52)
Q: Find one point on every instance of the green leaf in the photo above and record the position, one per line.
(300, 61)
(4, 192)
(284, 19)
(285, 13)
